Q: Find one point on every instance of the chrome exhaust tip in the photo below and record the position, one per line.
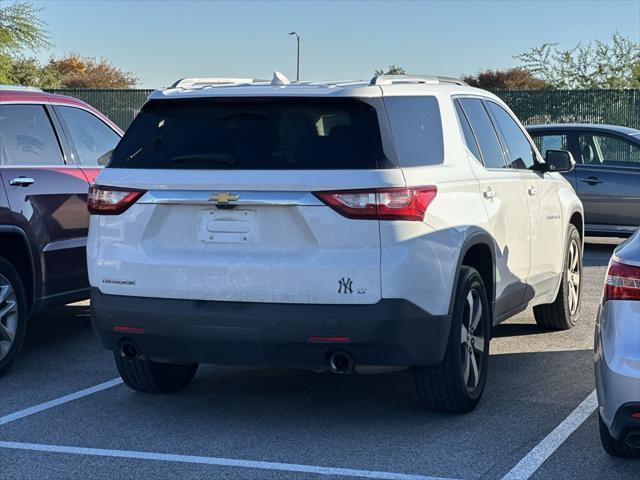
(129, 350)
(341, 363)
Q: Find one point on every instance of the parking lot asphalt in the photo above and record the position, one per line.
(284, 424)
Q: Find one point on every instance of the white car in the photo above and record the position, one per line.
(333, 226)
(617, 349)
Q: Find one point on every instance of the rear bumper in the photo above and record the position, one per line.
(617, 363)
(391, 332)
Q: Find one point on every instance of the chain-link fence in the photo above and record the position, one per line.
(618, 107)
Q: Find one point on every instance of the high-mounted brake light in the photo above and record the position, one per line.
(381, 203)
(622, 282)
(111, 200)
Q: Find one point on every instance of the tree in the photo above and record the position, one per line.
(27, 71)
(509, 79)
(591, 66)
(88, 72)
(392, 70)
(20, 30)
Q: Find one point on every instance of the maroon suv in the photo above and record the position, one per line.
(49, 150)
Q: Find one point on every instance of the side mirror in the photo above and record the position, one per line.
(559, 161)
(103, 160)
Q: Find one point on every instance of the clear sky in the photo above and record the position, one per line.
(161, 41)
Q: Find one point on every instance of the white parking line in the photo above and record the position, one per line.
(549, 444)
(59, 401)
(223, 462)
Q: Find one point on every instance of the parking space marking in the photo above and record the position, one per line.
(221, 462)
(549, 444)
(59, 401)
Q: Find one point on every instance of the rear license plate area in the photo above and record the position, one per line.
(228, 226)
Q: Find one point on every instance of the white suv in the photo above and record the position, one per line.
(331, 226)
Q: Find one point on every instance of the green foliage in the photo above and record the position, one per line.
(21, 29)
(591, 66)
(392, 70)
(27, 71)
(509, 79)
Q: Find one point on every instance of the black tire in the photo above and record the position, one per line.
(15, 306)
(442, 387)
(615, 448)
(560, 315)
(147, 376)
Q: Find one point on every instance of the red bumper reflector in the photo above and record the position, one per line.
(635, 415)
(328, 339)
(125, 329)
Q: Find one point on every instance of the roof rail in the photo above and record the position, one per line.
(425, 79)
(20, 88)
(209, 81)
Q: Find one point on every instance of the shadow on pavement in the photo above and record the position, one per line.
(62, 325)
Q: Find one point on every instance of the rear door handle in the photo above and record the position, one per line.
(21, 182)
(532, 191)
(591, 180)
(489, 193)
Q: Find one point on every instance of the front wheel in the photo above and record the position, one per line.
(455, 385)
(563, 313)
(13, 315)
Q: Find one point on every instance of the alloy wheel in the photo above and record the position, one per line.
(472, 341)
(8, 316)
(573, 277)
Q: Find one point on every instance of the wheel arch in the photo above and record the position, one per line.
(16, 249)
(577, 220)
(478, 252)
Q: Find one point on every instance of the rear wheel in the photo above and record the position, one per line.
(148, 376)
(563, 313)
(615, 447)
(456, 384)
(13, 314)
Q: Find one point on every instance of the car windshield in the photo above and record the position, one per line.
(289, 133)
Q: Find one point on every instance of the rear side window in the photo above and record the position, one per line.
(521, 155)
(484, 132)
(467, 132)
(91, 137)
(27, 136)
(259, 134)
(417, 130)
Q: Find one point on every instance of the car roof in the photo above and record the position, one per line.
(585, 126)
(9, 94)
(387, 86)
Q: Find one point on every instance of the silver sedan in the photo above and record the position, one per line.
(617, 353)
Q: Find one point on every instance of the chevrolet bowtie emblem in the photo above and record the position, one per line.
(223, 197)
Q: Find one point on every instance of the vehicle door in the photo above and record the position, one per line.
(557, 140)
(546, 225)
(608, 179)
(46, 194)
(505, 201)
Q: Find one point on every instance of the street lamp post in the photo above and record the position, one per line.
(297, 55)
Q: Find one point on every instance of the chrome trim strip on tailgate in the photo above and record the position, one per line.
(208, 197)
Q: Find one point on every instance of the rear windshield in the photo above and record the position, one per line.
(261, 134)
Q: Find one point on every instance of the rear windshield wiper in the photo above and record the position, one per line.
(205, 158)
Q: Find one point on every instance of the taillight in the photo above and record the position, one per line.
(622, 282)
(111, 200)
(381, 203)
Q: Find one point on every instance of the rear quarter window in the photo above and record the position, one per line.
(253, 133)
(417, 130)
